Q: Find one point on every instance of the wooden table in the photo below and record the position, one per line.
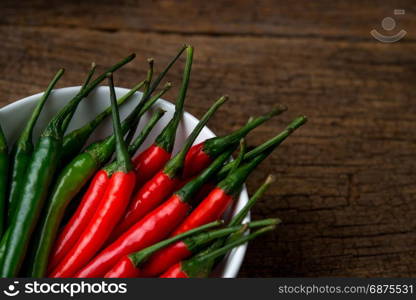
(345, 182)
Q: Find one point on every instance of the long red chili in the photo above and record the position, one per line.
(192, 267)
(111, 207)
(129, 265)
(168, 256)
(164, 183)
(86, 209)
(154, 227)
(149, 162)
(202, 154)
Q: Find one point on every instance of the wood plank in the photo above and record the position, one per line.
(315, 19)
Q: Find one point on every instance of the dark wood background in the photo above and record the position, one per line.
(345, 182)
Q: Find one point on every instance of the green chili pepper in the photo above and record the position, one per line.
(4, 167)
(23, 149)
(40, 171)
(195, 266)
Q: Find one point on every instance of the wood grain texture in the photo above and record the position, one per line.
(345, 181)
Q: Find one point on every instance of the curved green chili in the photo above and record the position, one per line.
(23, 149)
(40, 171)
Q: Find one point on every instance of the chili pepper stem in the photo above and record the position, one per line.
(4, 168)
(123, 158)
(239, 217)
(157, 115)
(68, 118)
(163, 259)
(23, 148)
(109, 169)
(158, 79)
(142, 107)
(89, 76)
(238, 242)
(188, 190)
(240, 156)
(175, 165)
(28, 131)
(152, 87)
(56, 126)
(195, 243)
(148, 80)
(216, 145)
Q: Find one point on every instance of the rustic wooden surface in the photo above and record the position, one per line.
(345, 182)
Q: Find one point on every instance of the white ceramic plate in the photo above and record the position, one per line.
(13, 117)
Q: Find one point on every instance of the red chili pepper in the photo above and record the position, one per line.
(79, 221)
(164, 183)
(111, 207)
(91, 199)
(193, 267)
(148, 163)
(154, 227)
(220, 198)
(202, 154)
(163, 259)
(129, 265)
(237, 219)
(158, 263)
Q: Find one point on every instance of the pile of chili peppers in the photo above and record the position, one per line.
(102, 210)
